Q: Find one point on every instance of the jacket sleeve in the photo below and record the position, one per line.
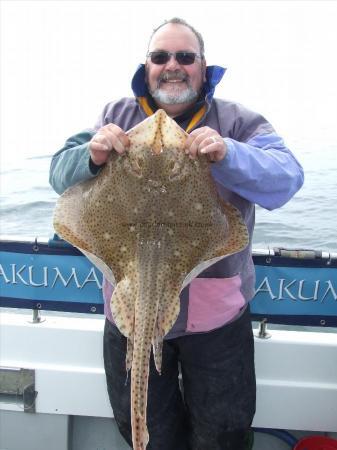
(261, 170)
(72, 164)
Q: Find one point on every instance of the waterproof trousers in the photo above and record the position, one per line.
(217, 406)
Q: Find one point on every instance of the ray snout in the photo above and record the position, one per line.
(158, 132)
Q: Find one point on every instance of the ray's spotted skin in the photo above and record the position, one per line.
(151, 221)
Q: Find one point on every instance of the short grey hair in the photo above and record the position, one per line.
(179, 21)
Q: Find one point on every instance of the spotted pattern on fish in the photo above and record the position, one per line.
(147, 220)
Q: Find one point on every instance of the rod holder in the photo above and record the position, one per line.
(17, 386)
(36, 317)
(262, 331)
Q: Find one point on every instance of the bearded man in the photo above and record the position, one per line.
(211, 343)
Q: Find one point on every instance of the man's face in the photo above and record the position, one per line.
(173, 83)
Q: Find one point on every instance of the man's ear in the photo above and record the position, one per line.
(146, 71)
(204, 66)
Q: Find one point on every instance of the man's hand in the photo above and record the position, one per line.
(207, 141)
(108, 138)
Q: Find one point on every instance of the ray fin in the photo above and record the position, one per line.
(123, 307)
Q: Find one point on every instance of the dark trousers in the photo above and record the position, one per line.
(217, 406)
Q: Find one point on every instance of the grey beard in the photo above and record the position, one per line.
(188, 96)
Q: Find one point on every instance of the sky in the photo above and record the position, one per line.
(63, 61)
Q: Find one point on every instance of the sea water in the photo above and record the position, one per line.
(308, 220)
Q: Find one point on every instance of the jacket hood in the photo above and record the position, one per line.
(214, 75)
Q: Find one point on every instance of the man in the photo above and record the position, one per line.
(212, 337)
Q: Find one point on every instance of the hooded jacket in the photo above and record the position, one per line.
(258, 169)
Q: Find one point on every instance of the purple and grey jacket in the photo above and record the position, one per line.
(258, 169)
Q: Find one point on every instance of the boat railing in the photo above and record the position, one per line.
(293, 286)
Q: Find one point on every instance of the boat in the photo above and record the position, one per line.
(52, 382)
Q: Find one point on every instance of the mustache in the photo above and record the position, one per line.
(176, 75)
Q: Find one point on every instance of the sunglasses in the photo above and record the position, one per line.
(183, 58)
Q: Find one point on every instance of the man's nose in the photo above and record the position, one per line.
(172, 63)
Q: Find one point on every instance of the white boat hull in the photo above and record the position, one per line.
(296, 378)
